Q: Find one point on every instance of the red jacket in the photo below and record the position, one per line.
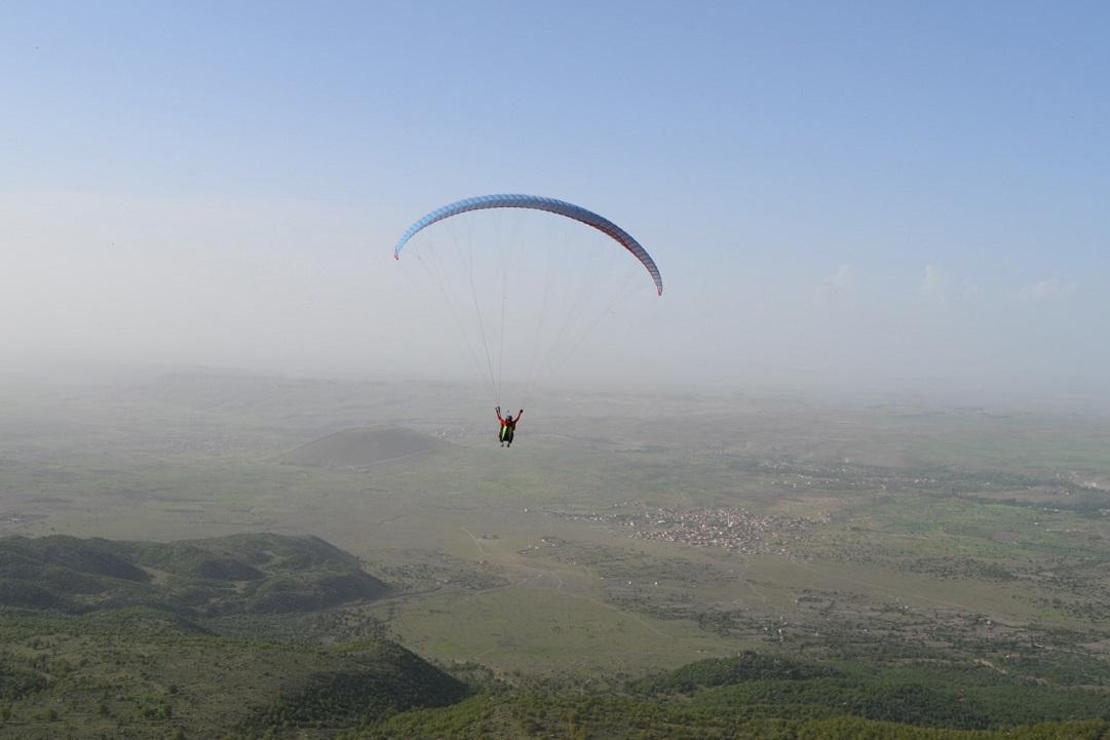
(510, 424)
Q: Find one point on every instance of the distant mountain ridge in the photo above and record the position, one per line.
(239, 574)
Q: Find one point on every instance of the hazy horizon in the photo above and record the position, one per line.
(913, 205)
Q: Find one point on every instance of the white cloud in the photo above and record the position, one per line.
(938, 286)
(970, 289)
(834, 286)
(933, 284)
(1049, 289)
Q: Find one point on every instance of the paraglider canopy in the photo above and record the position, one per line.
(538, 203)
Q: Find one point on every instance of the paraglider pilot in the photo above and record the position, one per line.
(508, 426)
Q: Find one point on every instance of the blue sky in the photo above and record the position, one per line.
(854, 192)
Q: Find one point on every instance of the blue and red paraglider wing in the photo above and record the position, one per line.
(538, 203)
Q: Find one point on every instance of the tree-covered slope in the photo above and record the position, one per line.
(755, 695)
(255, 573)
(137, 673)
(197, 638)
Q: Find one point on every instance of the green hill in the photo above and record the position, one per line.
(253, 574)
(137, 673)
(241, 634)
(757, 695)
